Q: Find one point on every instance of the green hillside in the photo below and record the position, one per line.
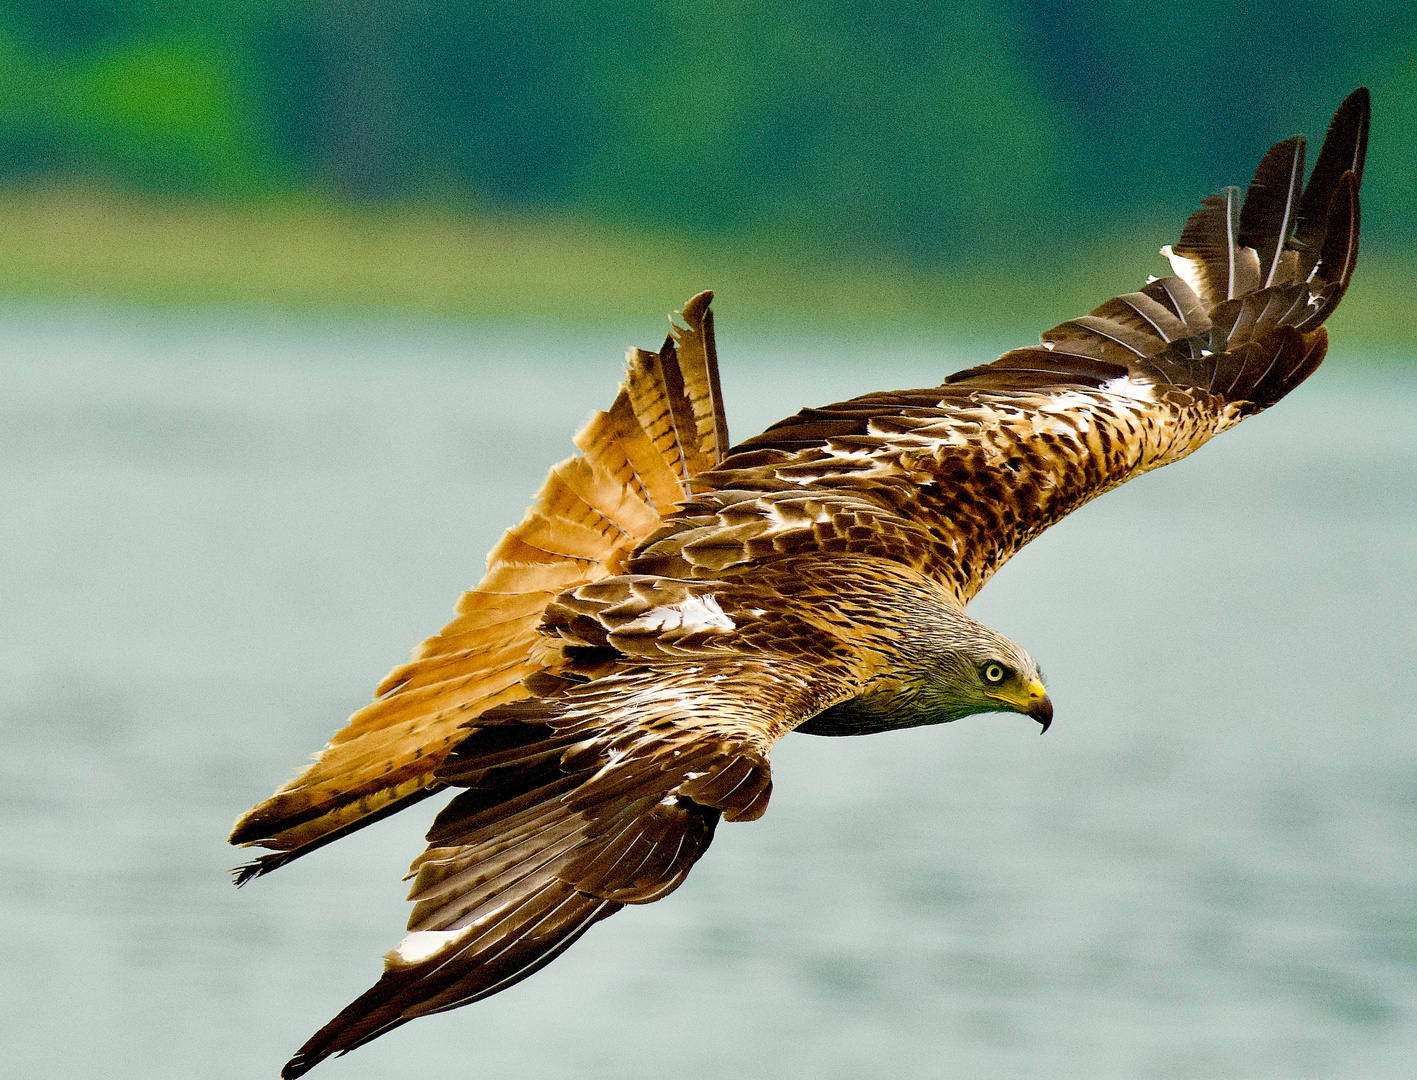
(898, 160)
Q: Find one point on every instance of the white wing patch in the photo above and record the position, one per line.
(695, 615)
(1127, 387)
(1189, 270)
(419, 946)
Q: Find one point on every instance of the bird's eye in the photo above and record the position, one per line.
(994, 674)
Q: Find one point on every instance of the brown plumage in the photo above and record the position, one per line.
(636, 459)
(670, 606)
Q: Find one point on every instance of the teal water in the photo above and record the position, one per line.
(217, 537)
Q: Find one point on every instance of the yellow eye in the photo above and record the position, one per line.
(994, 674)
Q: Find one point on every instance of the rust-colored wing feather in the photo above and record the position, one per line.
(604, 787)
(636, 461)
(606, 790)
(662, 616)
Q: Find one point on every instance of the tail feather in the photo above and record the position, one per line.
(553, 832)
(264, 864)
(637, 460)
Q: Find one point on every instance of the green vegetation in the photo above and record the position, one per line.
(318, 254)
(900, 160)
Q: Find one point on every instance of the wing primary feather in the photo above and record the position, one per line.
(664, 428)
(595, 913)
(697, 358)
(606, 791)
(1267, 216)
(1231, 228)
(386, 1005)
(1345, 149)
(1151, 313)
(1176, 295)
(1206, 256)
(1339, 253)
(677, 408)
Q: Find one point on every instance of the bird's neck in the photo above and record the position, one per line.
(886, 705)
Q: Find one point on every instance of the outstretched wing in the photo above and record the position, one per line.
(636, 461)
(599, 764)
(954, 479)
(577, 804)
(605, 787)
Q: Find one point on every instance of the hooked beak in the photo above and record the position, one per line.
(1032, 701)
(1037, 704)
(1042, 710)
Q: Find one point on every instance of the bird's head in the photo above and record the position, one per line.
(943, 672)
(988, 673)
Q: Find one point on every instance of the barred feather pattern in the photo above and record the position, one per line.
(954, 479)
(606, 790)
(671, 607)
(636, 462)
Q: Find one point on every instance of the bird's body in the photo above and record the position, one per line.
(672, 606)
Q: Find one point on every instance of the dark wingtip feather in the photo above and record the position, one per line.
(1340, 250)
(1345, 147)
(442, 984)
(1264, 344)
(1354, 117)
(697, 306)
(1209, 242)
(1270, 211)
(1345, 150)
(375, 1012)
(1339, 254)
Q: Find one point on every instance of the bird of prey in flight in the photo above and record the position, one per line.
(673, 604)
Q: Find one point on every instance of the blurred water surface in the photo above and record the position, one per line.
(217, 537)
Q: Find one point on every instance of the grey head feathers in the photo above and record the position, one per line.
(952, 668)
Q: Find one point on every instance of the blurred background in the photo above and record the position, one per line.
(299, 300)
(594, 160)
